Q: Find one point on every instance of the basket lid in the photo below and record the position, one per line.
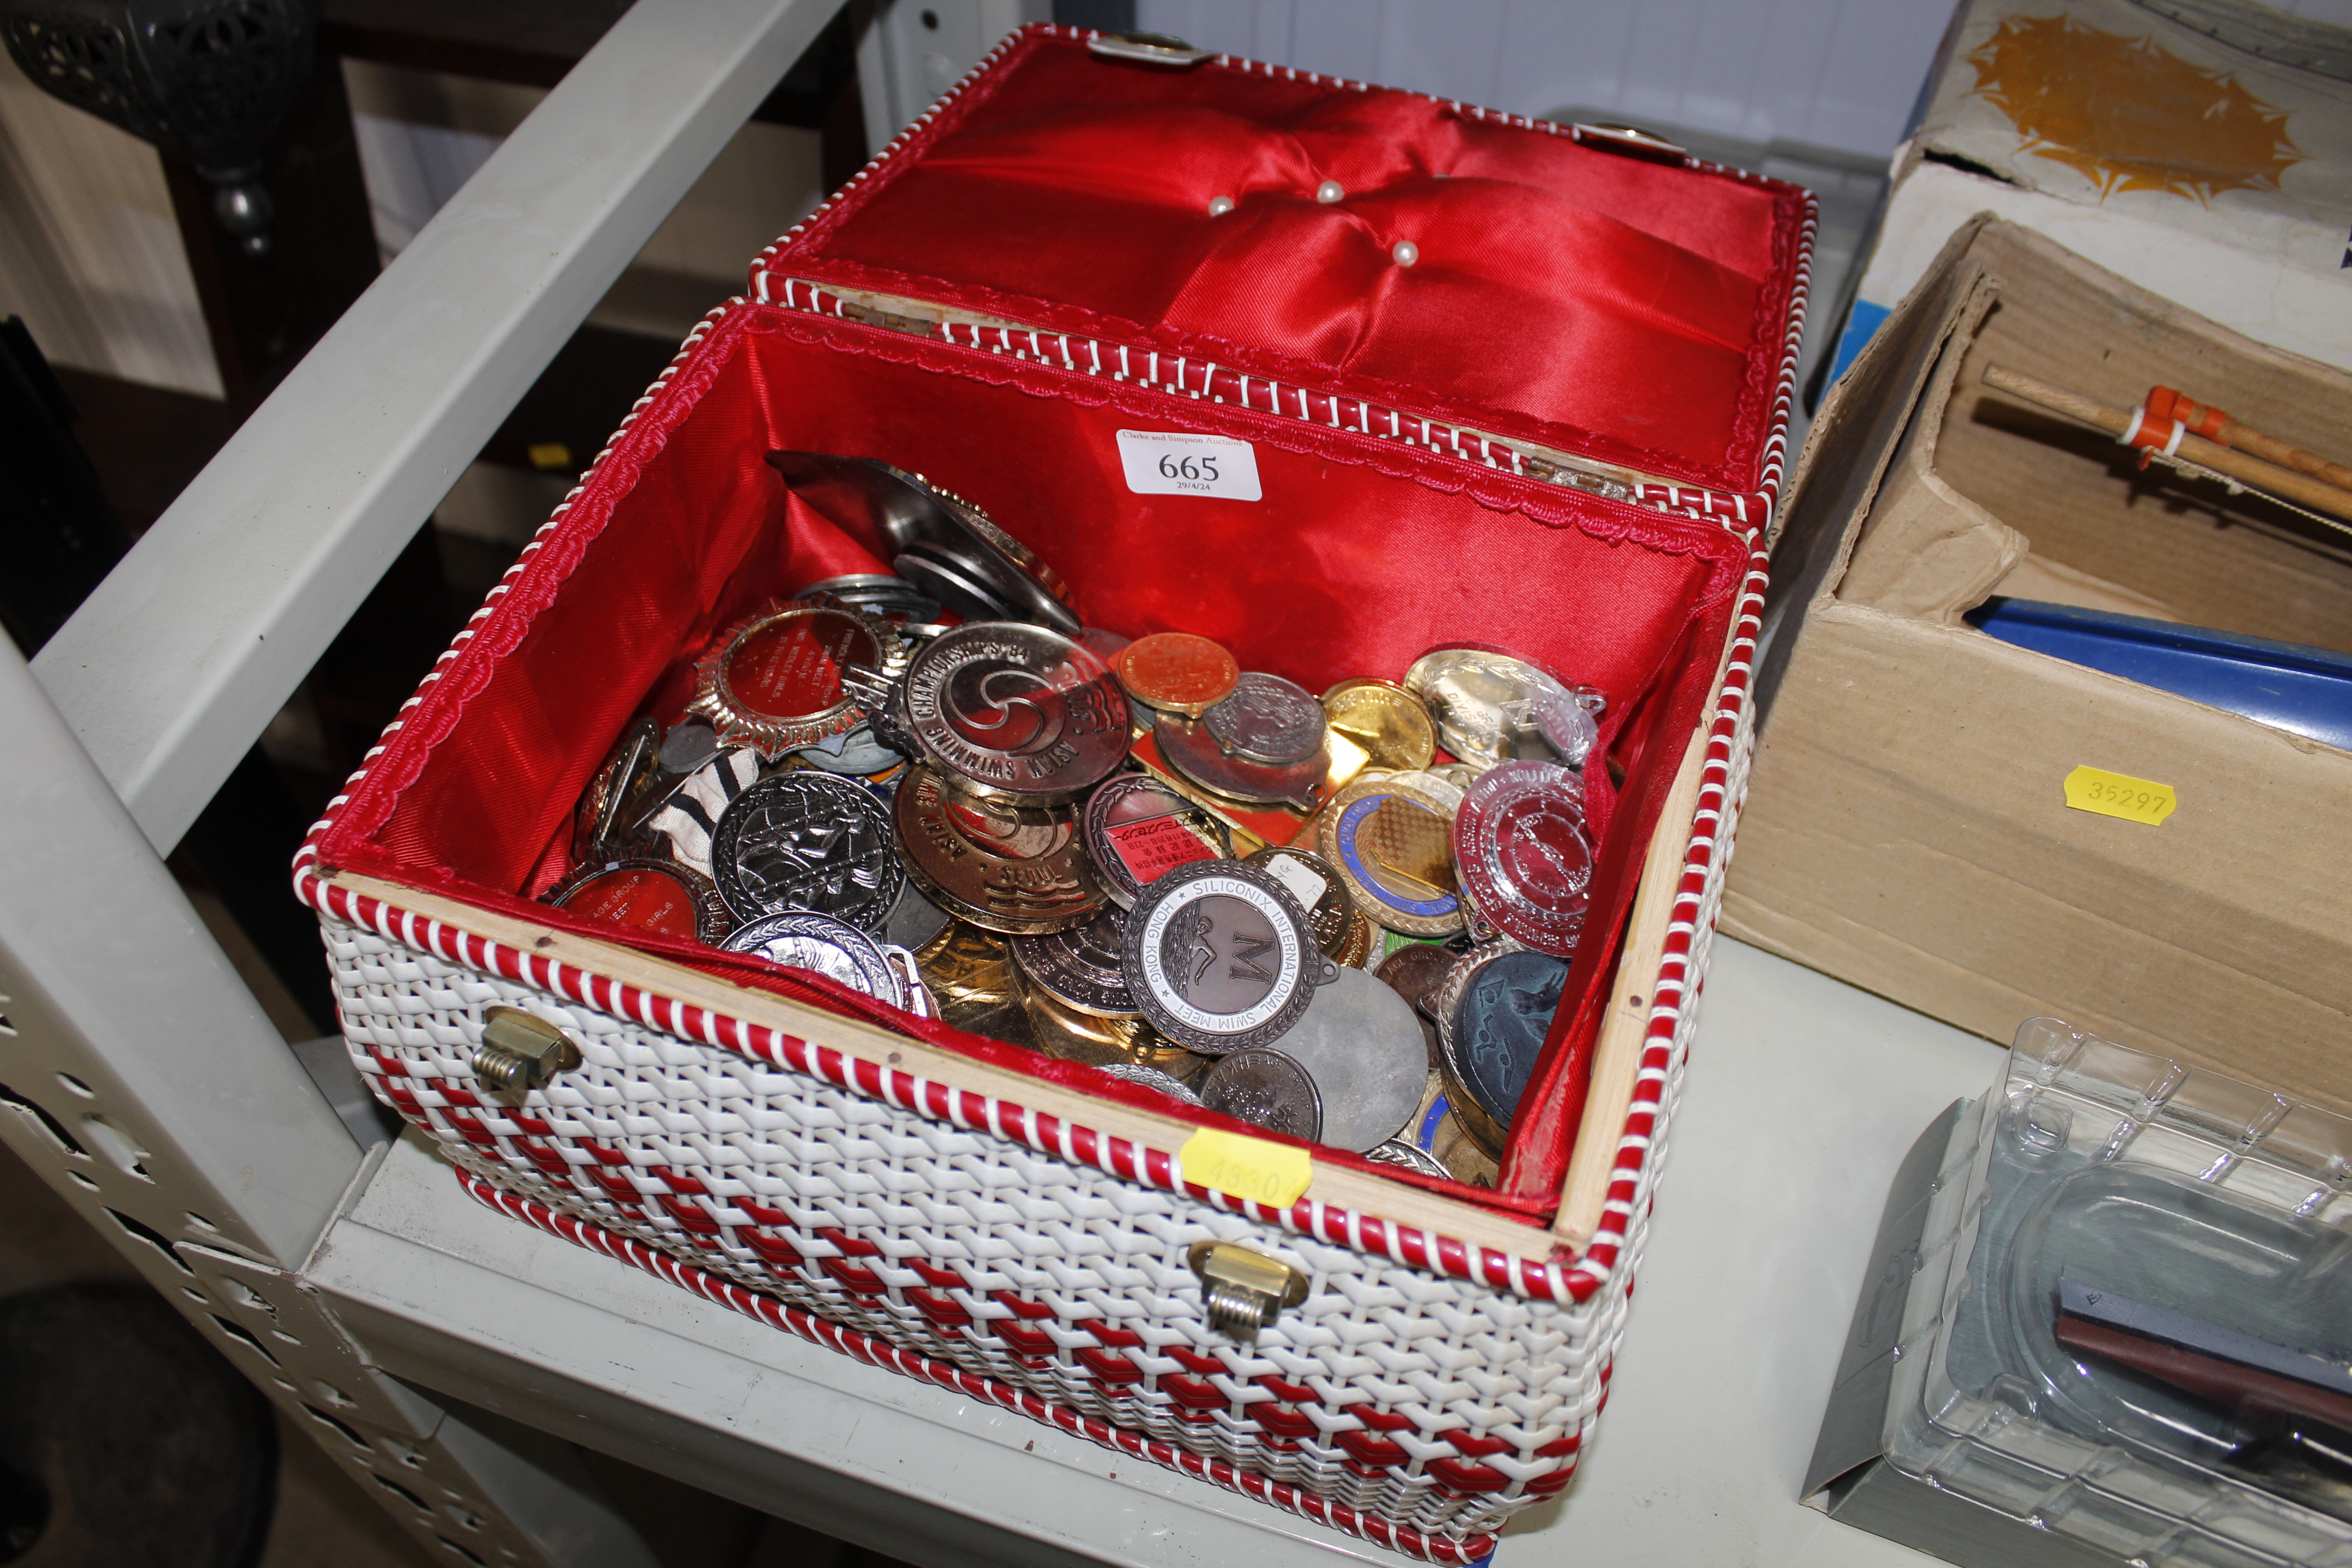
(1581, 292)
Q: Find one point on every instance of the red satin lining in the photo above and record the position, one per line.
(1361, 556)
(1563, 294)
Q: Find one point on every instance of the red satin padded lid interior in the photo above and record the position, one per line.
(1568, 295)
(1360, 556)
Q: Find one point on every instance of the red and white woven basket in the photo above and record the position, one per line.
(885, 1198)
(1426, 1390)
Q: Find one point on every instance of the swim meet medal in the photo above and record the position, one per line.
(1220, 957)
(1015, 712)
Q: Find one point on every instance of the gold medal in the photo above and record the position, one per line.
(1177, 672)
(969, 972)
(1391, 840)
(1076, 1037)
(1384, 719)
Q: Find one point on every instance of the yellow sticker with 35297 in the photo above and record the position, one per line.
(1275, 1174)
(2119, 795)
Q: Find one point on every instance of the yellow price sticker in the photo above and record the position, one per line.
(1275, 1174)
(2119, 795)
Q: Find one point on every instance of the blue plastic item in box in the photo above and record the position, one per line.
(2302, 691)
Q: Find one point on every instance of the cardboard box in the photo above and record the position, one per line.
(1907, 829)
(2201, 149)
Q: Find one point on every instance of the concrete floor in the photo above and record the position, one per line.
(325, 1520)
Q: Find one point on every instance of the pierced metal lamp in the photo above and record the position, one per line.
(208, 81)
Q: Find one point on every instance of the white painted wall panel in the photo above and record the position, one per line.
(91, 257)
(1836, 73)
(422, 135)
(1554, 55)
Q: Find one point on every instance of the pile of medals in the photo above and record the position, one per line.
(937, 788)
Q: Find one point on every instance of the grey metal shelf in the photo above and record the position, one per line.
(383, 1309)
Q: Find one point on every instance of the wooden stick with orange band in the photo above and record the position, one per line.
(2133, 428)
(2204, 419)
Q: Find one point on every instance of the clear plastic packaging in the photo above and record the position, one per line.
(2170, 1185)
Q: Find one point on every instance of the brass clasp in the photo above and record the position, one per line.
(1244, 1291)
(521, 1051)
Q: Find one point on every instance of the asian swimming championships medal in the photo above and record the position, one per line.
(773, 680)
(1177, 672)
(1493, 1014)
(1361, 1045)
(1265, 1089)
(1220, 957)
(1137, 828)
(658, 896)
(1393, 841)
(1267, 721)
(1522, 855)
(1388, 722)
(807, 841)
(1081, 968)
(1020, 870)
(1015, 712)
(1331, 913)
(835, 949)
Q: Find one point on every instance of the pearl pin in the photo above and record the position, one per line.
(1406, 252)
(1329, 191)
(1220, 206)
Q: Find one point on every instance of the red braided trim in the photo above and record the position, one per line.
(874, 1352)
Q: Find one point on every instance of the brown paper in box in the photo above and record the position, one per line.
(1907, 827)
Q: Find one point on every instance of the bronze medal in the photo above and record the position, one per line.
(1017, 869)
(1177, 672)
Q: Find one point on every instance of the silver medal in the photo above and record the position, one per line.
(1266, 1089)
(1411, 1157)
(1268, 721)
(1219, 956)
(1151, 1079)
(1361, 1045)
(1138, 827)
(807, 841)
(823, 945)
(1080, 967)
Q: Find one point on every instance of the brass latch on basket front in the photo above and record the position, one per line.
(521, 1051)
(1244, 1291)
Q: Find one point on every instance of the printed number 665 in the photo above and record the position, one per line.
(1204, 467)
